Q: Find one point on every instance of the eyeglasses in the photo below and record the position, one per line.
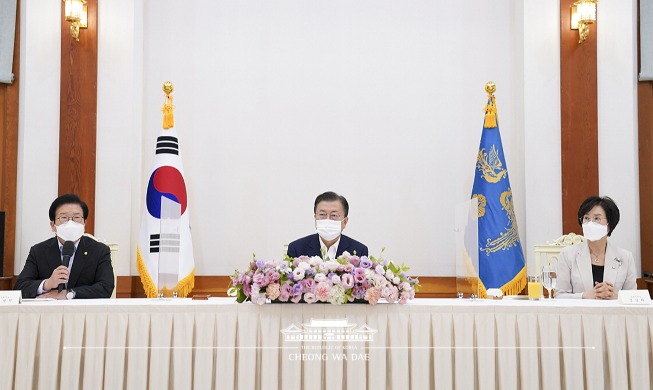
(587, 218)
(64, 218)
(332, 216)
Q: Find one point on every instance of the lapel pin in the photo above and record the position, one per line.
(85, 253)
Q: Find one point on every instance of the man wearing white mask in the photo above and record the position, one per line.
(331, 216)
(88, 272)
(594, 268)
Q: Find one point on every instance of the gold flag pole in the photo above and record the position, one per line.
(491, 116)
(168, 117)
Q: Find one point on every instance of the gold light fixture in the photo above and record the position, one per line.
(76, 13)
(583, 13)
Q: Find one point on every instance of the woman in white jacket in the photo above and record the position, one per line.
(595, 269)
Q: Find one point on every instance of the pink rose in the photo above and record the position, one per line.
(273, 291)
(322, 291)
(372, 295)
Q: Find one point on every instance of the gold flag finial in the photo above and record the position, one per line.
(491, 106)
(168, 118)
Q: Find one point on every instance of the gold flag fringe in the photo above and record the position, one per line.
(184, 286)
(490, 113)
(168, 117)
(513, 287)
(146, 279)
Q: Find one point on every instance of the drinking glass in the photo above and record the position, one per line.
(534, 287)
(549, 278)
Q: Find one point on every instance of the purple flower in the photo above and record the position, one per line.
(309, 297)
(308, 285)
(272, 275)
(359, 275)
(296, 298)
(260, 263)
(297, 289)
(258, 279)
(347, 281)
(365, 262)
(354, 260)
(359, 292)
(285, 292)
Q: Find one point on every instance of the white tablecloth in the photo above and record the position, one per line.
(426, 344)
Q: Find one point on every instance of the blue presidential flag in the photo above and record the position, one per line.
(500, 255)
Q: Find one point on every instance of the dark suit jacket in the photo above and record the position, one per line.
(310, 246)
(91, 275)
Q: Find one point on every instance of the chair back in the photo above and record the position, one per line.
(114, 257)
(549, 252)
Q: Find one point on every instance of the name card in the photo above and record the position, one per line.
(10, 297)
(634, 297)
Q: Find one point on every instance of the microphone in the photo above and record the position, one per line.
(66, 252)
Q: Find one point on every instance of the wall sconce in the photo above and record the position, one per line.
(583, 13)
(76, 13)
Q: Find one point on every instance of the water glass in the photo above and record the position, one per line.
(549, 279)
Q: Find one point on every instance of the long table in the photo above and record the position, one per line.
(426, 344)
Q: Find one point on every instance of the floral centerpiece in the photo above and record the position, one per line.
(348, 278)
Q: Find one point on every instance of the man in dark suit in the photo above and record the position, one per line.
(331, 216)
(89, 273)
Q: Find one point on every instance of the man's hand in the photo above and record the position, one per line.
(59, 275)
(53, 294)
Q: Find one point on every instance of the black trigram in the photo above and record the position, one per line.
(167, 145)
(164, 242)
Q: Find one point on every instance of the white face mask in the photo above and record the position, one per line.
(70, 231)
(328, 229)
(594, 231)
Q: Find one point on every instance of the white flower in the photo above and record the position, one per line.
(396, 280)
(385, 291)
(315, 260)
(303, 265)
(320, 277)
(337, 295)
(332, 265)
(298, 274)
(379, 269)
(389, 275)
(404, 286)
(335, 279)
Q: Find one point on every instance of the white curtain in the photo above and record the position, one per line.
(7, 32)
(646, 39)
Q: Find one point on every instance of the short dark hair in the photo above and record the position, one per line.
(608, 205)
(67, 199)
(330, 196)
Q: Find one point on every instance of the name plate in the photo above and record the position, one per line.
(634, 297)
(10, 297)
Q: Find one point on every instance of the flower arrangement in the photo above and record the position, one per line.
(346, 279)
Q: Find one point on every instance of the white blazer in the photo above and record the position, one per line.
(574, 270)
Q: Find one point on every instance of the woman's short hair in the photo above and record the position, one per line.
(608, 205)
